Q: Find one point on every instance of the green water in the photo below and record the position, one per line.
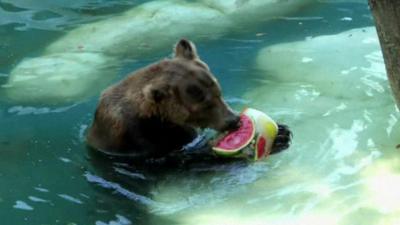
(342, 168)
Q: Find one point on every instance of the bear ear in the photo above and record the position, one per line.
(185, 49)
(156, 93)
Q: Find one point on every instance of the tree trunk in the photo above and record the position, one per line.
(387, 21)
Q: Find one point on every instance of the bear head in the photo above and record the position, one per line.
(184, 91)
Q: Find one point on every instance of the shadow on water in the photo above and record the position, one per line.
(136, 180)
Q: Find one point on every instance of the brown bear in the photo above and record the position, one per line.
(155, 110)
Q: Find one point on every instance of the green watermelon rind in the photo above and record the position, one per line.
(236, 151)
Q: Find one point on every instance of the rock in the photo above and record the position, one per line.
(59, 77)
(335, 84)
(332, 63)
(145, 29)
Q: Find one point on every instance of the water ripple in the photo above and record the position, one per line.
(28, 110)
(22, 205)
(117, 188)
(70, 198)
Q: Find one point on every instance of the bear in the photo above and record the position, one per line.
(157, 109)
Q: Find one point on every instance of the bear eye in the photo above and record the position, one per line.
(195, 93)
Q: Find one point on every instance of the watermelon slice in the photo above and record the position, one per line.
(261, 150)
(232, 143)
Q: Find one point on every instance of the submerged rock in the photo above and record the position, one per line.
(144, 29)
(324, 76)
(333, 63)
(333, 87)
(59, 77)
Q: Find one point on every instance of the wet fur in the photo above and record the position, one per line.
(156, 110)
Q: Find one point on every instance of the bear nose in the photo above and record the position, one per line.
(233, 123)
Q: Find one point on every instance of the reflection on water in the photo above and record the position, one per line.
(318, 69)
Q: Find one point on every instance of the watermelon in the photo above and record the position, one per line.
(261, 148)
(232, 143)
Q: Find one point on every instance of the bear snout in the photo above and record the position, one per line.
(232, 123)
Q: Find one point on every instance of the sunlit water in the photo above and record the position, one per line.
(342, 168)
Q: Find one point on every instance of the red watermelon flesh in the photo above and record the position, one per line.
(260, 145)
(234, 141)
